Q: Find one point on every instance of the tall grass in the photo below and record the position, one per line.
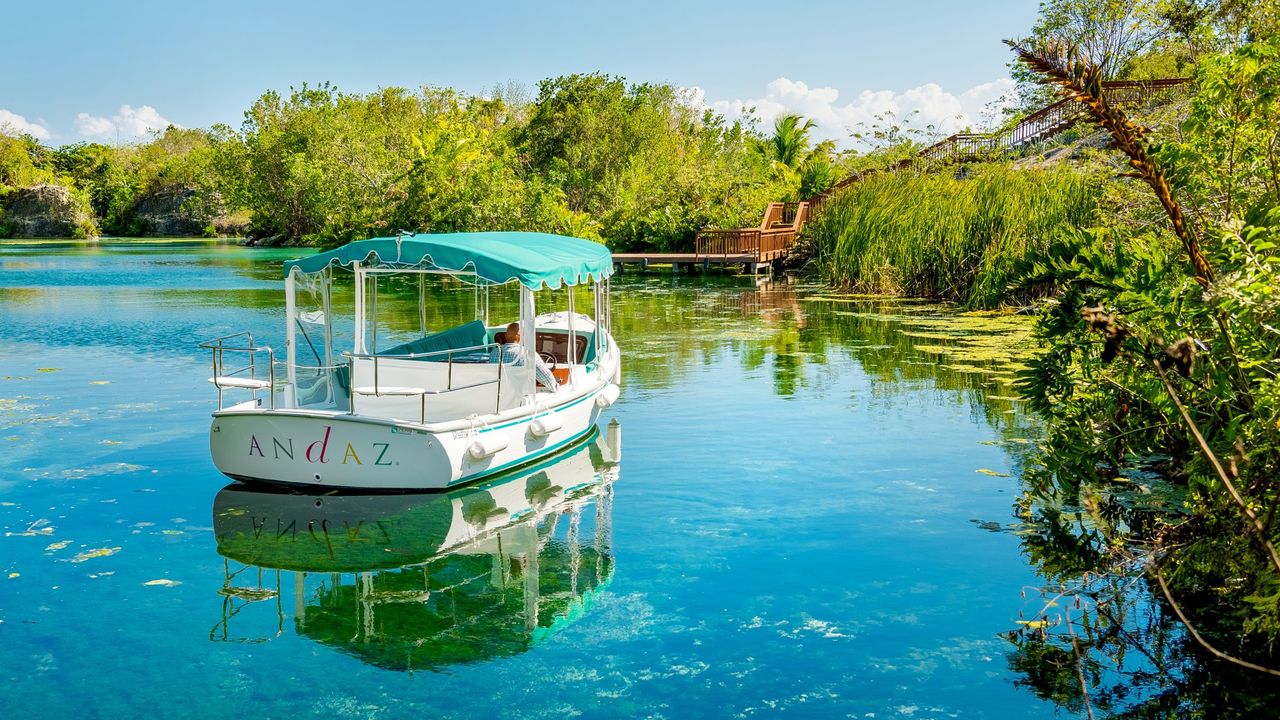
(943, 236)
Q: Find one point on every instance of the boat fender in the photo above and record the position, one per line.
(545, 425)
(613, 441)
(608, 396)
(485, 447)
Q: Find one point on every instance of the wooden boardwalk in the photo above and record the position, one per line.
(1039, 125)
(686, 260)
(755, 248)
(761, 247)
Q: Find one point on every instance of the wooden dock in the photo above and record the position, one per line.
(688, 261)
(753, 249)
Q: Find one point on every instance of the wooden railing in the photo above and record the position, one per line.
(1040, 125)
(769, 241)
(1043, 123)
(742, 241)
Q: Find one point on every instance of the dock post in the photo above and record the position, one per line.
(644, 264)
(675, 268)
(706, 264)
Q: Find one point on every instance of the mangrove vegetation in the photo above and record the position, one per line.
(639, 165)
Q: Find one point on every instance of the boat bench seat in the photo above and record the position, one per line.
(472, 334)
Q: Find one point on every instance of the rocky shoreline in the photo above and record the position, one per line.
(45, 211)
(50, 211)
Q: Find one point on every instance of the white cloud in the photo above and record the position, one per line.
(932, 105)
(15, 123)
(130, 123)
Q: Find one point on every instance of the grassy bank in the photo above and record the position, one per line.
(947, 236)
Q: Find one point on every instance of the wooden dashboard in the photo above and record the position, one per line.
(557, 346)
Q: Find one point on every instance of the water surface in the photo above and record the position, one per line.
(799, 524)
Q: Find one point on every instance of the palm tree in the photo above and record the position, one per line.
(789, 148)
(789, 145)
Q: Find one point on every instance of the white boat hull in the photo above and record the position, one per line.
(339, 450)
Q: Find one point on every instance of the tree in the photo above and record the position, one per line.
(19, 156)
(652, 167)
(810, 169)
(1108, 33)
(789, 144)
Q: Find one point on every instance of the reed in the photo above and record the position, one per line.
(948, 236)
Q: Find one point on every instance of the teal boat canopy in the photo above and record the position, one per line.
(535, 259)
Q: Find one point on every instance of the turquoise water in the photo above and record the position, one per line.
(797, 526)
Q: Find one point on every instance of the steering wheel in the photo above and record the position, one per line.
(548, 358)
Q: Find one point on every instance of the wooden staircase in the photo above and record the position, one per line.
(768, 242)
(753, 248)
(1040, 125)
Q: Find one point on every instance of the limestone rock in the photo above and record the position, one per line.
(181, 210)
(176, 210)
(46, 211)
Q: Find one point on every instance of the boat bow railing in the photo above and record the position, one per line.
(246, 377)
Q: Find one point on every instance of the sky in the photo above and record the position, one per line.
(114, 71)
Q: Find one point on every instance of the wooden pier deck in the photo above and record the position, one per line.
(755, 248)
(748, 261)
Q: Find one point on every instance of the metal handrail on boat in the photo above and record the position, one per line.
(422, 393)
(222, 379)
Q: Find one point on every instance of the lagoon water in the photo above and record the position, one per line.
(799, 526)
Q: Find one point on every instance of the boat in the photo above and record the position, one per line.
(421, 581)
(447, 405)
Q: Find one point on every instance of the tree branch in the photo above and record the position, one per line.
(1255, 524)
(1186, 622)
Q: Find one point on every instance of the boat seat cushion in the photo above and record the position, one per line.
(472, 334)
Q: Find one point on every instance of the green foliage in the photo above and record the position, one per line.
(636, 165)
(21, 160)
(1129, 335)
(891, 140)
(796, 162)
(117, 179)
(1116, 35)
(24, 162)
(939, 235)
(649, 166)
(594, 157)
(789, 144)
(1228, 163)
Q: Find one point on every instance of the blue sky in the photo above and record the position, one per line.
(102, 70)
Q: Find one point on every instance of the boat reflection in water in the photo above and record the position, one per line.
(422, 581)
